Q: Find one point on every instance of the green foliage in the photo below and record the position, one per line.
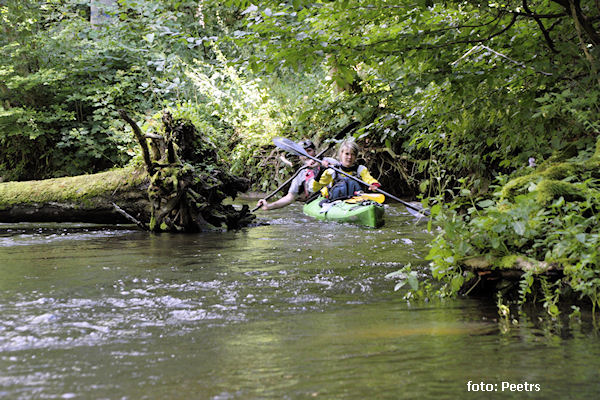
(450, 90)
(410, 278)
(444, 102)
(58, 93)
(63, 78)
(546, 223)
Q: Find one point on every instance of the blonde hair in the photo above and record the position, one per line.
(348, 144)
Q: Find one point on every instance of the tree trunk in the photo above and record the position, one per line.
(181, 189)
(85, 198)
(188, 183)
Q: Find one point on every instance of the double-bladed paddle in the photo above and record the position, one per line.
(293, 147)
(341, 134)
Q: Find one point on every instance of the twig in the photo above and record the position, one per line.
(541, 26)
(129, 217)
(475, 284)
(482, 46)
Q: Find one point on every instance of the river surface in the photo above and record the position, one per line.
(296, 309)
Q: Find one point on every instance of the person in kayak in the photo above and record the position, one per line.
(335, 186)
(299, 187)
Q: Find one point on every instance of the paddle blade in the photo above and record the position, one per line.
(289, 145)
(417, 214)
(376, 197)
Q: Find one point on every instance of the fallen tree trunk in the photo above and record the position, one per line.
(180, 188)
(84, 198)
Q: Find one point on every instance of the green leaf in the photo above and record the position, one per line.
(413, 281)
(486, 203)
(436, 209)
(519, 227)
(456, 283)
(495, 242)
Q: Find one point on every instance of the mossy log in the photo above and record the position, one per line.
(84, 198)
(554, 179)
(561, 196)
(492, 274)
(180, 188)
(510, 266)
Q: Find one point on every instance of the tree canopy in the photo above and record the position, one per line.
(453, 79)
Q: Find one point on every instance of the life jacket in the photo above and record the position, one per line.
(343, 189)
(304, 188)
(342, 186)
(333, 178)
(353, 170)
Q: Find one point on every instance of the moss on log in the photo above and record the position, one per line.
(561, 196)
(84, 198)
(180, 188)
(549, 180)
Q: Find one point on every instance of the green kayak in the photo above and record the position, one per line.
(356, 210)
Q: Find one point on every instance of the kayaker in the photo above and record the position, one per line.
(299, 187)
(341, 186)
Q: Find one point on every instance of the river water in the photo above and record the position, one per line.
(296, 309)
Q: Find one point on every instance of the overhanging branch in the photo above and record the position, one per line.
(538, 20)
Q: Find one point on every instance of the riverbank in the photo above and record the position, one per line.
(541, 226)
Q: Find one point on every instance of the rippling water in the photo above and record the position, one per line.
(291, 310)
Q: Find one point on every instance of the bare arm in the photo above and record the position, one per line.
(282, 202)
